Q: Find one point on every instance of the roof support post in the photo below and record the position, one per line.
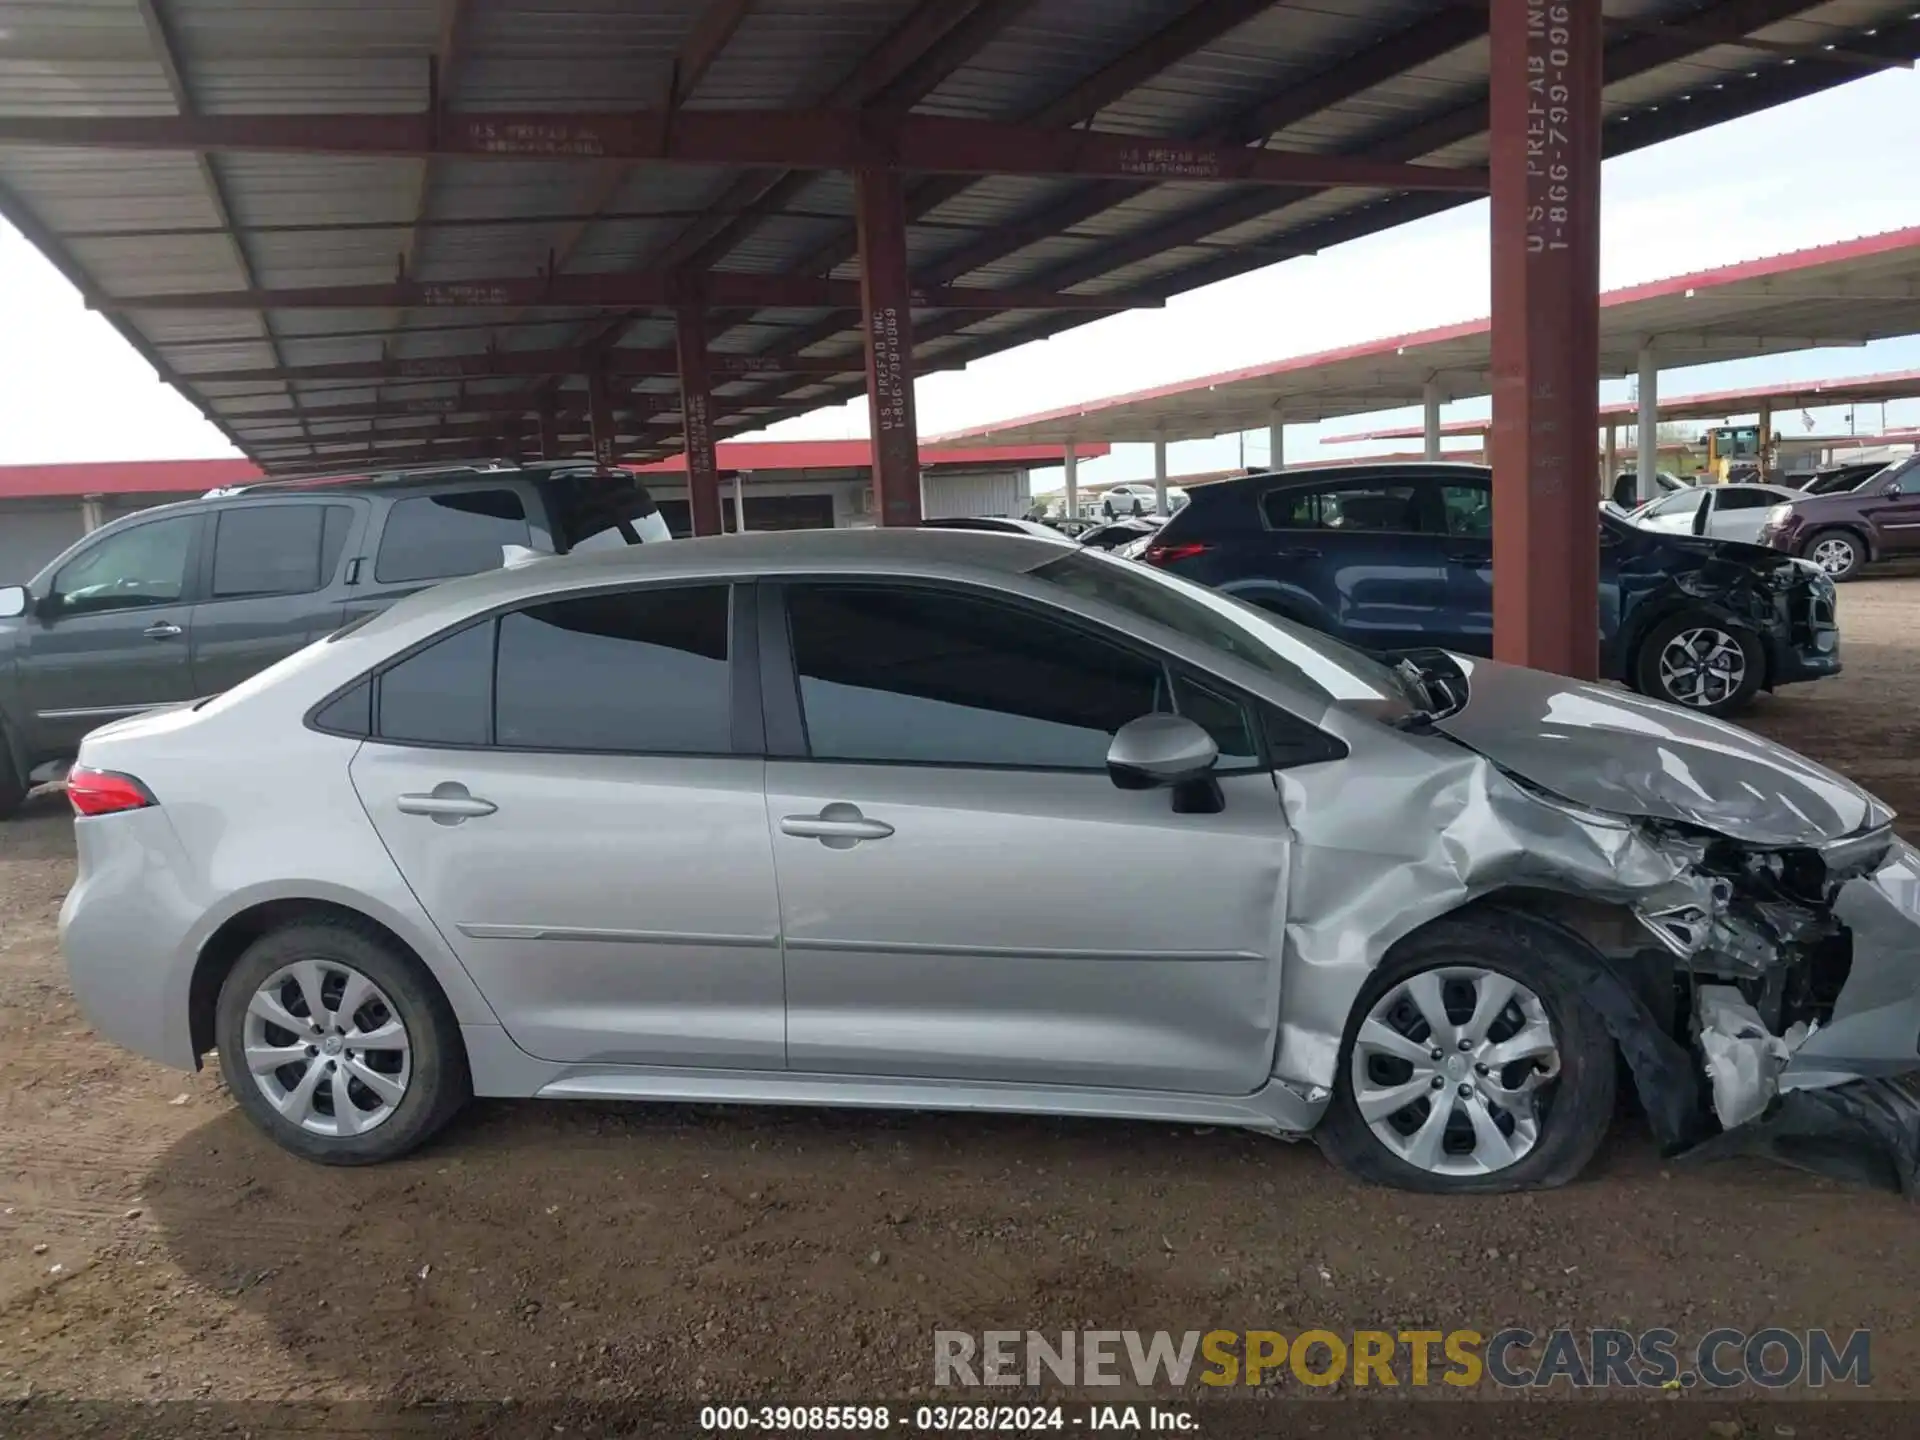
(696, 421)
(1647, 432)
(549, 431)
(1160, 475)
(1277, 442)
(1610, 462)
(1764, 458)
(1071, 463)
(1430, 405)
(1544, 95)
(880, 214)
(600, 416)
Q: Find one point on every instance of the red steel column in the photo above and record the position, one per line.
(600, 417)
(886, 298)
(1545, 123)
(696, 421)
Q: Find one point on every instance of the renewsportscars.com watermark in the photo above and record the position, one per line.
(1509, 1359)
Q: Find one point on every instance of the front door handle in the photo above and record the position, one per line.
(163, 630)
(1298, 552)
(1472, 559)
(838, 826)
(449, 804)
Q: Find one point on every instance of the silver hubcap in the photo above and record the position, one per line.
(1702, 667)
(1833, 556)
(327, 1048)
(1450, 1067)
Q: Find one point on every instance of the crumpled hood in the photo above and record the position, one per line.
(1611, 750)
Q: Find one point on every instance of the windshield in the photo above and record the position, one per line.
(1220, 622)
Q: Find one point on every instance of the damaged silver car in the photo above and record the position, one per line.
(955, 821)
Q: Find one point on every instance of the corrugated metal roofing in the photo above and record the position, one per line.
(127, 224)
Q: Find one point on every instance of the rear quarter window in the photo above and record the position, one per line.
(435, 537)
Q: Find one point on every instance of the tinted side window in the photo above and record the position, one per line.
(639, 671)
(1910, 479)
(921, 676)
(444, 694)
(1367, 505)
(277, 549)
(1467, 510)
(1225, 720)
(431, 537)
(1744, 500)
(146, 565)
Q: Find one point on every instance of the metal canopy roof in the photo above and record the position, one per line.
(1845, 294)
(382, 229)
(1704, 404)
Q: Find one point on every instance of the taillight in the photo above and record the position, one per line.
(1170, 554)
(105, 792)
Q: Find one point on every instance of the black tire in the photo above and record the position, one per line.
(13, 789)
(439, 1083)
(1856, 553)
(1576, 1108)
(1648, 680)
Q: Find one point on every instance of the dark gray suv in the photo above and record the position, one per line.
(187, 600)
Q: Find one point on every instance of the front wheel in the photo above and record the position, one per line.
(1700, 663)
(1471, 1064)
(339, 1045)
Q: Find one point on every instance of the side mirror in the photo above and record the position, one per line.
(1160, 750)
(15, 601)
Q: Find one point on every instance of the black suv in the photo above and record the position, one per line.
(187, 600)
(1395, 557)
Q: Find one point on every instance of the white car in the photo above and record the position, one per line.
(1137, 498)
(1720, 512)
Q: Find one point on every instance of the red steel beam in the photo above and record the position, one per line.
(799, 139)
(887, 317)
(1417, 44)
(631, 288)
(936, 37)
(500, 406)
(696, 413)
(494, 364)
(600, 416)
(1545, 87)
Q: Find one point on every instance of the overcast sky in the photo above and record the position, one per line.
(1828, 168)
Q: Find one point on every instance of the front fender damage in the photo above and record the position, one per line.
(1761, 994)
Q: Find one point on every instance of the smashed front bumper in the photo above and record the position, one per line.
(1818, 944)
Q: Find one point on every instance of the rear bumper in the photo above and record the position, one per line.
(123, 933)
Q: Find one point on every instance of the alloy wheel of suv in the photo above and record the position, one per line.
(1699, 662)
(1837, 553)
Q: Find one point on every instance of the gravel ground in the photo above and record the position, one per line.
(153, 1246)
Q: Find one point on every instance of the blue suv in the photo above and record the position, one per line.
(1397, 557)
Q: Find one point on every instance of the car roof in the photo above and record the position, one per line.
(902, 551)
(420, 479)
(1306, 475)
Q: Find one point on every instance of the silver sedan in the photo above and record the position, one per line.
(828, 818)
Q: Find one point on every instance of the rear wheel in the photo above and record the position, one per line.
(1471, 1064)
(1700, 662)
(13, 788)
(338, 1045)
(1838, 552)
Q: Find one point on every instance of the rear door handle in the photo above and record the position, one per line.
(1471, 558)
(1298, 552)
(163, 630)
(838, 826)
(449, 804)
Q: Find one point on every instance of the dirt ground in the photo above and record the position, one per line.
(152, 1245)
